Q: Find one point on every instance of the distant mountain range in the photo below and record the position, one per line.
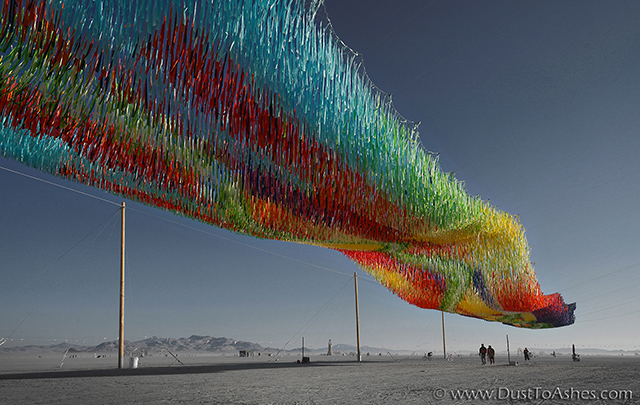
(223, 345)
(153, 344)
(192, 344)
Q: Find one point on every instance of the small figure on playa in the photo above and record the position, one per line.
(575, 357)
(526, 354)
(492, 355)
(483, 354)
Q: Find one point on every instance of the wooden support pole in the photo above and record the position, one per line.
(444, 344)
(121, 335)
(355, 281)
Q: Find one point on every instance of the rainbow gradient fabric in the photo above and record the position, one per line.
(254, 117)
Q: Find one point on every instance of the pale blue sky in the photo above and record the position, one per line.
(534, 105)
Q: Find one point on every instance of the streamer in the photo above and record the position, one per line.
(252, 116)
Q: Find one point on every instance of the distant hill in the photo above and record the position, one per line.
(223, 345)
(194, 343)
(61, 348)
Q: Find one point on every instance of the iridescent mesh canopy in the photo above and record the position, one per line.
(254, 117)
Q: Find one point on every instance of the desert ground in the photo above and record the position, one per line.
(387, 379)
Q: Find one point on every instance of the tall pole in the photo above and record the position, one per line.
(508, 354)
(444, 344)
(121, 338)
(355, 281)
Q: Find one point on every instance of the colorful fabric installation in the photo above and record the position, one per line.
(253, 116)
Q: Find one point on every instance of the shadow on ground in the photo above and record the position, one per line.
(172, 370)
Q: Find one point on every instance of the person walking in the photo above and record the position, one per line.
(483, 354)
(492, 354)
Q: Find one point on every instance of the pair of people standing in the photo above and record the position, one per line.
(487, 351)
